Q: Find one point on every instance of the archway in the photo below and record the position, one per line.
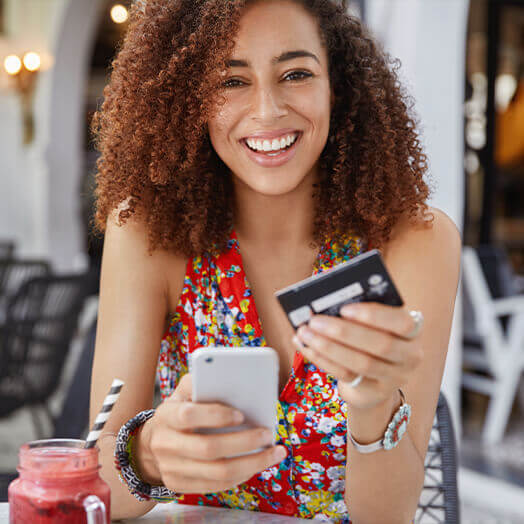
(61, 103)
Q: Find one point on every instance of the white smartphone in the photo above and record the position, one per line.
(243, 377)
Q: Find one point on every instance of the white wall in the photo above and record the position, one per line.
(28, 26)
(63, 116)
(39, 183)
(429, 37)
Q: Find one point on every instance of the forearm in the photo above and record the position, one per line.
(123, 503)
(383, 486)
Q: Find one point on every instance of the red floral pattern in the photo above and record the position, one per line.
(216, 309)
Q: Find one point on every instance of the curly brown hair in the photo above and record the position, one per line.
(157, 156)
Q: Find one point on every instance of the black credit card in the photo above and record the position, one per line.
(364, 278)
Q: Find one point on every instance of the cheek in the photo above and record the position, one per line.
(221, 122)
(217, 127)
(315, 108)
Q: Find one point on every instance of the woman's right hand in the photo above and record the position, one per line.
(169, 453)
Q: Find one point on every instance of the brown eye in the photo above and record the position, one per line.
(228, 83)
(301, 75)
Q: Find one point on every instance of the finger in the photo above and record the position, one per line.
(183, 391)
(189, 415)
(345, 375)
(366, 339)
(184, 484)
(219, 445)
(329, 366)
(228, 469)
(397, 373)
(394, 319)
(345, 357)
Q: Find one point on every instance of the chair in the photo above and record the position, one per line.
(7, 248)
(40, 322)
(439, 500)
(73, 420)
(498, 271)
(5, 479)
(13, 273)
(491, 347)
(74, 416)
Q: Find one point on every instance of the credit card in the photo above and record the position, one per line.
(364, 278)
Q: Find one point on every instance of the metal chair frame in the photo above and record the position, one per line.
(34, 342)
(439, 500)
(490, 348)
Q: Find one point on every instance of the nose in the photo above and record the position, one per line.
(267, 104)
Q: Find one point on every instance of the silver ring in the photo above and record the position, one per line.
(355, 382)
(418, 317)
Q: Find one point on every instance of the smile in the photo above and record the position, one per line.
(271, 157)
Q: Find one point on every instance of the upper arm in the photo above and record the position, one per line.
(425, 265)
(131, 317)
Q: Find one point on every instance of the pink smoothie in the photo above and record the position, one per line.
(55, 478)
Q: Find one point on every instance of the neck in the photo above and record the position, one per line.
(276, 222)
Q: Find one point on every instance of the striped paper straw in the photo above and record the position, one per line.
(102, 417)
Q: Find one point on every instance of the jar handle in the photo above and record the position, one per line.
(95, 509)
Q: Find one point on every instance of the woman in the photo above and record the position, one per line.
(199, 227)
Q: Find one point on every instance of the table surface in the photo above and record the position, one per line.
(184, 513)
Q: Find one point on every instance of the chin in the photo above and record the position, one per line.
(273, 187)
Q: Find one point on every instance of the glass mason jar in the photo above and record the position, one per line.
(58, 483)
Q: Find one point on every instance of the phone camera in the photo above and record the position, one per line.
(209, 359)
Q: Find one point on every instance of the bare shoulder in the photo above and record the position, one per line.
(424, 237)
(128, 243)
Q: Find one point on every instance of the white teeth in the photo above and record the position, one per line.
(272, 145)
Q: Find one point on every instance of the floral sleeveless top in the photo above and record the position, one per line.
(216, 309)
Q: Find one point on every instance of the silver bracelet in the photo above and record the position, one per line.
(393, 433)
(124, 463)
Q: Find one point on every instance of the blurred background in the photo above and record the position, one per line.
(462, 61)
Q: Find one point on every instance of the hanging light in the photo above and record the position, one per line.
(12, 65)
(505, 86)
(23, 73)
(32, 61)
(119, 14)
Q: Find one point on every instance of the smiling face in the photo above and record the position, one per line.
(277, 96)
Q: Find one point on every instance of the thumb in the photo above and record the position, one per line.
(183, 392)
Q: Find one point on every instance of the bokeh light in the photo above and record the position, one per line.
(32, 61)
(12, 64)
(119, 14)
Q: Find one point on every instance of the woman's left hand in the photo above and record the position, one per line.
(369, 341)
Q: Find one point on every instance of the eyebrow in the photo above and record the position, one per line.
(288, 55)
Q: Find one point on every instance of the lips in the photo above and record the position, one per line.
(276, 160)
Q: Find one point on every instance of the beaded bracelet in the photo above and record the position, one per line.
(124, 462)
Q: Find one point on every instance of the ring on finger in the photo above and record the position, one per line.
(355, 382)
(418, 317)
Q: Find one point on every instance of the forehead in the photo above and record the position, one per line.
(271, 26)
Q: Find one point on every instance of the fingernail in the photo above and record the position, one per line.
(280, 453)
(305, 334)
(238, 416)
(317, 323)
(349, 311)
(298, 343)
